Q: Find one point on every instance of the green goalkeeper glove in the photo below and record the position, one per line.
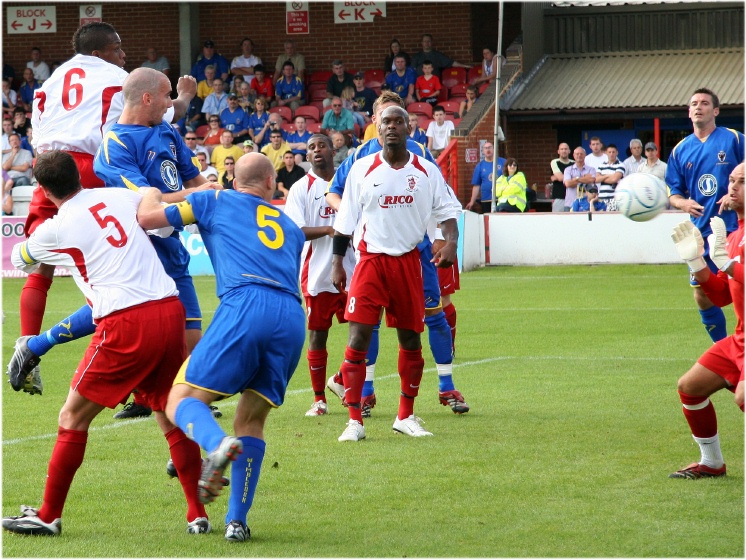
(690, 245)
(717, 239)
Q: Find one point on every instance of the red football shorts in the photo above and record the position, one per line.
(141, 347)
(394, 283)
(448, 278)
(322, 308)
(41, 208)
(725, 358)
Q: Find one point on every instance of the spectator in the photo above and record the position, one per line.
(205, 87)
(7, 130)
(348, 102)
(245, 64)
(489, 67)
(510, 189)
(394, 51)
(468, 103)
(577, 176)
(27, 89)
(635, 160)
(597, 155)
(20, 121)
(245, 97)
(204, 169)
(608, 176)
(341, 149)
(236, 84)
(209, 56)
(289, 90)
(224, 150)
(190, 139)
(225, 178)
(7, 194)
(298, 139)
(259, 123)
(216, 101)
(338, 118)
(27, 141)
(363, 97)
(558, 166)
(10, 99)
(193, 118)
(590, 202)
(248, 146)
(276, 149)
(235, 120)
(289, 174)
(415, 132)
(17, 162)
(213, 134)
(438, 59)
(439, 131)
(39, 67)
(652, 164)
(402, 80)
(427, 87)
(156, 62)
(298, 60)
(261, 85)
(339, 80)
(8, 71)
(482, 181)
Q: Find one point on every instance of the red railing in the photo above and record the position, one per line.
(448, 163)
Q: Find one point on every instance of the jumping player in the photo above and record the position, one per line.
(254, 342)
(722, 365)
(308, 208)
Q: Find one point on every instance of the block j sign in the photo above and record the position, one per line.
(31, 19)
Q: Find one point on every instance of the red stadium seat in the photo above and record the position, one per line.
(451, 107)
(423, 122)
(483, 87)
(474, 73)
(288, 127)
(376, 75)
(449, 77)
(311, 112)
(420, 108)
(459, 90)
(320, 77)
(286, 112)
(202, 131)
(314, 127)
(317, 92)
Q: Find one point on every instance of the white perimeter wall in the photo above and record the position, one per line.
(538, 238)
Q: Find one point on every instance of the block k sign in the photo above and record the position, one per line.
(358, 12)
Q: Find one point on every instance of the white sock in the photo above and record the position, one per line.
(370, 372)
(444, 369)
(711, 456)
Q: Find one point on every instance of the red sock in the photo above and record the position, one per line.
(702, 421)
(137, 399)
(411, 365)
(188, 463)
(317, 367)
(33, 303)
(450, 311)
(353, 377)
(67, 456)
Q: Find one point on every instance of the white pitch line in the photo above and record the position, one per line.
(232, 403)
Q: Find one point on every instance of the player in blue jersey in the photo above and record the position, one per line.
(697, 174)
(439, 331)
(254, 342)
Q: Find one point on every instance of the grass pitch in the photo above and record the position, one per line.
(575, 425)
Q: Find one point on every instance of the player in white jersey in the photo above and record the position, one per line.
(389, 199)
(307, 207)
(97, 237)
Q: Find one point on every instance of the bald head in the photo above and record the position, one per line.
(255, 174)
(140, 82)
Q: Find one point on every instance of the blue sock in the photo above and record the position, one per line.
(714, 321)
(195, 419)
(244, 478)
(76, 326)
(370, 359)
(439, 336)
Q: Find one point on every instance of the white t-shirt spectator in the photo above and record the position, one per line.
(440, 134)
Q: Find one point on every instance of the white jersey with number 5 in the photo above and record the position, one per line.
(95, 235)
(77, 105)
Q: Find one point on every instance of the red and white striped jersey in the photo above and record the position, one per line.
(306, 206)
(95, 235)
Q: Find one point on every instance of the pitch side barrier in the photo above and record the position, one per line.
(538, 238)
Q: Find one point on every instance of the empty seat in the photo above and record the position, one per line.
(450, 107)
(420, 108)
(375, 75)
(320, 77)
(449, 77)
(286, 112)
(21, 199)
(310, 112)
(314, 127)
(474, 73)
(459, 90)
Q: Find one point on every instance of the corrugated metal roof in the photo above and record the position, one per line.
(631, 80)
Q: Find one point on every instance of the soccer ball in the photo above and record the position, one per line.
(641, 196)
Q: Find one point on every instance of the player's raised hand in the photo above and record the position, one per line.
(690, 245)
(186, 87)
(717, 240)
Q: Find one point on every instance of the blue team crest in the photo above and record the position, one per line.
(708, 184)
(721, 156)
(173, 149)
(170, 175)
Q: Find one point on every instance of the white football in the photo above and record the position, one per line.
(641, 196)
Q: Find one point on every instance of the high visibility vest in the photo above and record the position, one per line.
(512, 190)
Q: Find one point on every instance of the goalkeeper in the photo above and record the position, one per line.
(721, 366)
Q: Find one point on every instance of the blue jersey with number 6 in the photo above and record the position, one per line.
(249, 240)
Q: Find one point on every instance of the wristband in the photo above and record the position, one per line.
(726, 266)
(340, 244)
(695, 265)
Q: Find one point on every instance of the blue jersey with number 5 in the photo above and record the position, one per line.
(249, 240)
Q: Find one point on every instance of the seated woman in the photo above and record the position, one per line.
(510, 189)
(212, 136)
(394, 51)
(468, 103)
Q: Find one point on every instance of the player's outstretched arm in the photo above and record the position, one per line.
(151, 213)
(691, 248)
(316, 232)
